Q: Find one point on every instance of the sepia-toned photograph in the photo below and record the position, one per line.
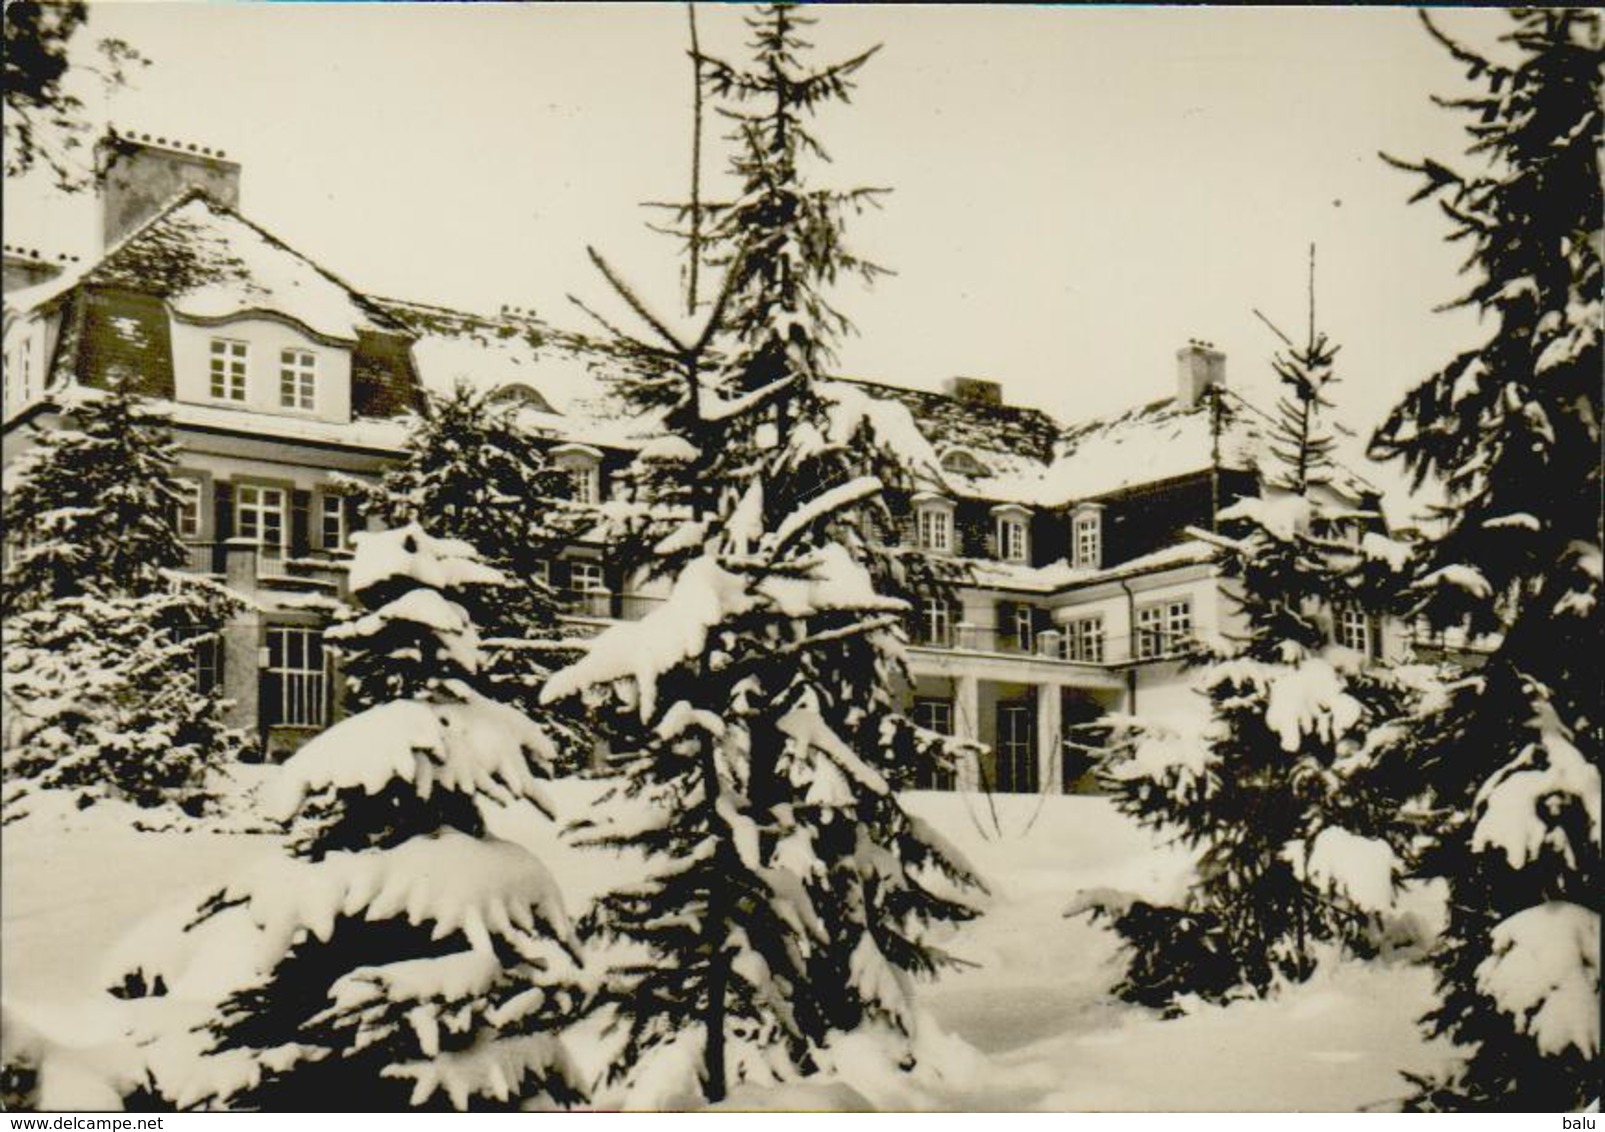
(827, 558)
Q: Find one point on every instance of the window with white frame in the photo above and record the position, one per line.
(298, 379)
(1014, 543)
(1354, 630)
(962, 463)
(585, 482)
(1022, 628)
(936, 622)
(206, 658)
(587, 587)
(1164, 629)
(208, 663)
(583, 467)
(332, 522)
(936, 528)
(298, 677)
(1083, 639)
(585, 576)
(1088, 528)
(187, 508)
(228, 369)
(1016, 748)
(934, 715)
(259, 514)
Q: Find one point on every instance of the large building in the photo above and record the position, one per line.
(1087, 584)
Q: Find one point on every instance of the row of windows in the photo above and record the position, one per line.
(1165, 629)
(230, 367)
(934, 530)
(260, 514)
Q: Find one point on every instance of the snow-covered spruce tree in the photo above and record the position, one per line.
(398, 955)
(100, 628)
(472, 473)
(89, 508)
(1295, 821)
(789, 895)
(1511, 427)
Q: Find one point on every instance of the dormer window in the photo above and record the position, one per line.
(298, 379)
(1086, 536)
(962, 462)
(1013, 527)
(583, 466)
(228, 369)
(934, 519)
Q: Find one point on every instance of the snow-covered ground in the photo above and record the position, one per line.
(1029, 1025)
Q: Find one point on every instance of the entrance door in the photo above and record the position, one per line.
(1017, 748)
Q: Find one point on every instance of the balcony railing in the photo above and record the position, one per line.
(266, 563)
(1051, 644)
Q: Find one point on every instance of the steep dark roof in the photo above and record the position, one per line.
(949, 422)
(203, 262)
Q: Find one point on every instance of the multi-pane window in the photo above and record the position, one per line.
(261, 514)
(1089, 541)
(1354, 630)
(1012, 545)
(585, 576)
(934, 715)
(1022, 628)
(936, 529)
(1083, 640)
(588, 587)
(585, 482)
(1164, 629)
(228, 369)
(1016, 749)
(936, 622)
(298, 379)
(208, 663)
(187, 508)
(332, 522)
(298, 677)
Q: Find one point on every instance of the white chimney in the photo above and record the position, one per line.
(1199, 366)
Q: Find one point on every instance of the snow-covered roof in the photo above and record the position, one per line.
(557, 386)
(209, 263)
(1059, 576)
(1159, 441)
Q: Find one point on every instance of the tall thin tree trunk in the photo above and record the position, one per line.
(696, 163)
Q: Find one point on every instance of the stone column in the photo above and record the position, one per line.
(967, 725)
(1050, 739)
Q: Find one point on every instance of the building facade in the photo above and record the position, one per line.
(1087, 579)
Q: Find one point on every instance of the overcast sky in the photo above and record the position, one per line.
(1077, 191)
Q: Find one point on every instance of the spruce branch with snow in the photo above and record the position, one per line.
(101, 631)
(1511, 426)
(790, 897)
(1283, 793)
(471, 472)
(89, 506)
(399, 955)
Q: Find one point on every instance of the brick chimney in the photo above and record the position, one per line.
(140, 173)
(1199, 366)
(974, 390)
